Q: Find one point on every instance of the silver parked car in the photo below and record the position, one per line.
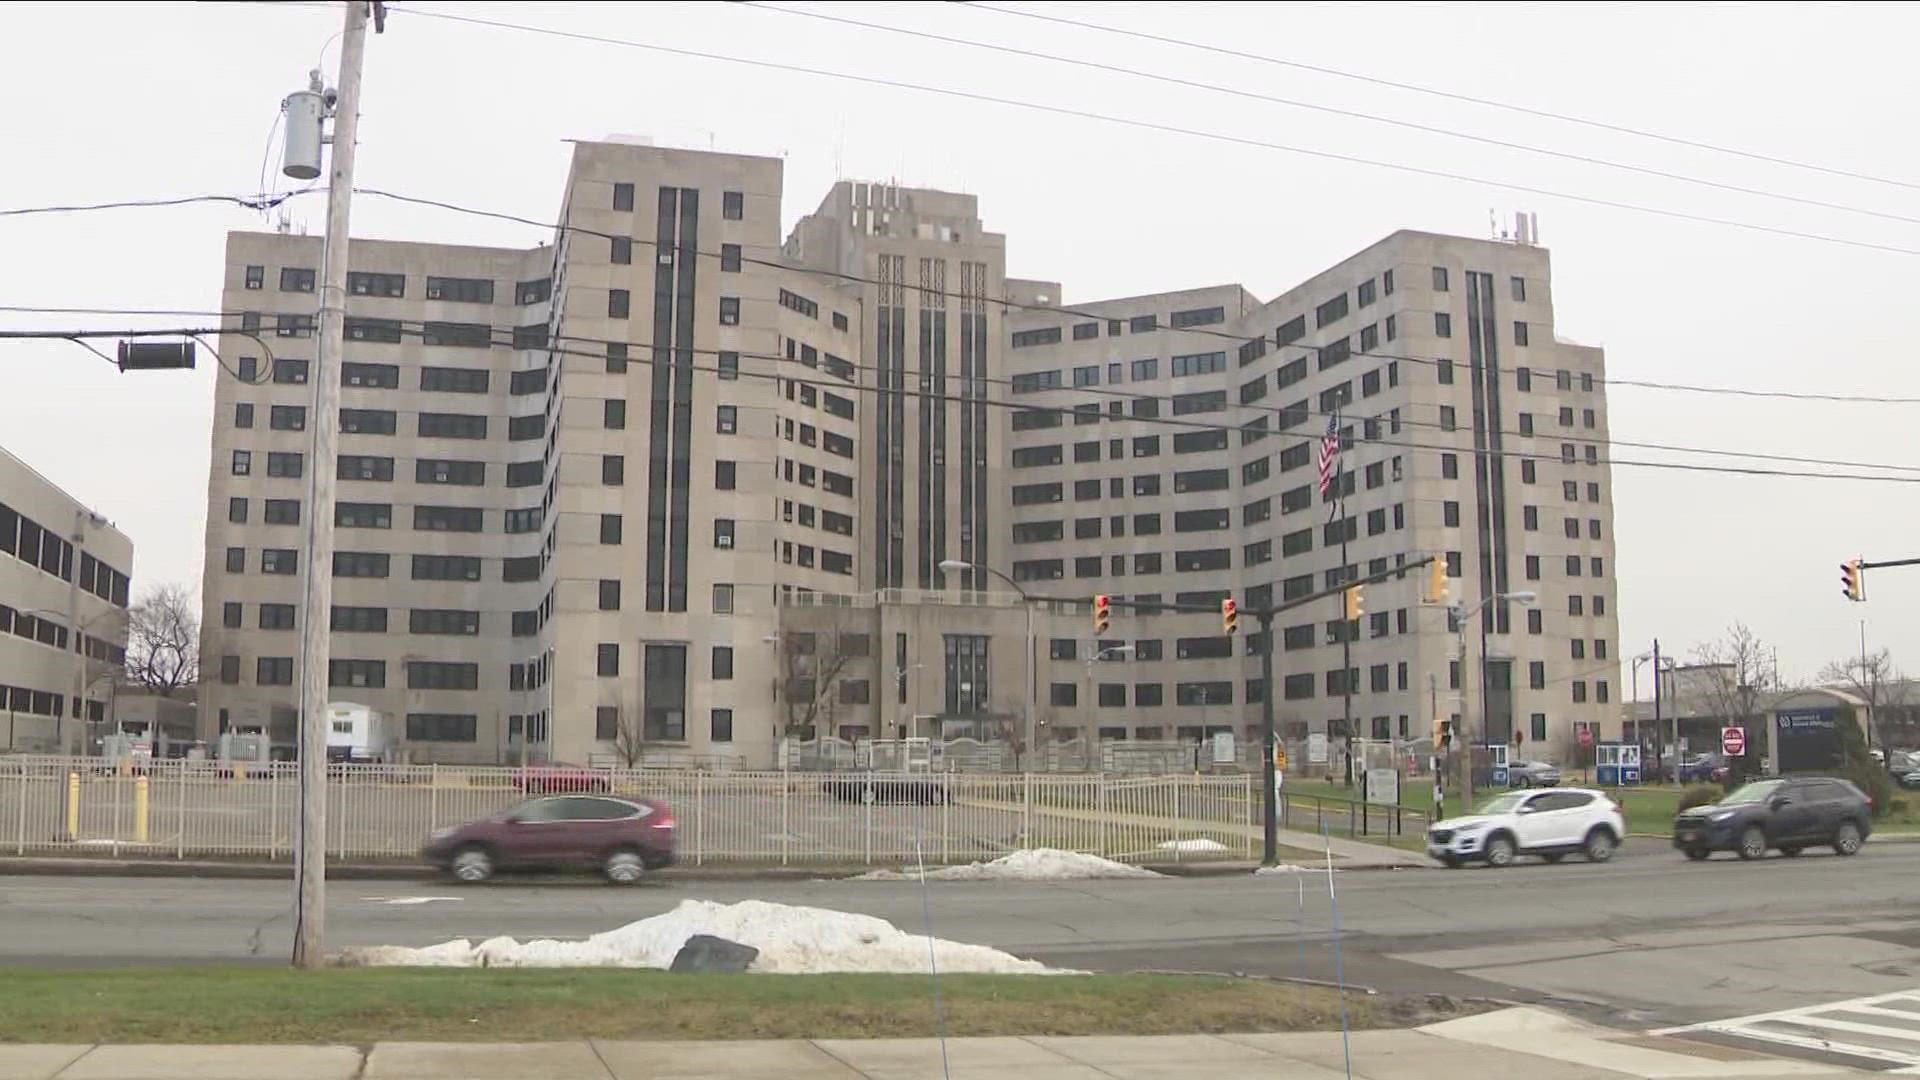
(1532, 774)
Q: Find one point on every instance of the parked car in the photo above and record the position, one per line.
(622, 838)
(1550, 824)
(1532, 774)
(1904, 767)
(887, 789)
(1787, 814)
(1701, 769)
(546, 779)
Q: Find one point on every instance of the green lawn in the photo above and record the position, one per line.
(276, 1005)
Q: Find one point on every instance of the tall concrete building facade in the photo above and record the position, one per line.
(64, 582)
(674, 487)
(1165, 448)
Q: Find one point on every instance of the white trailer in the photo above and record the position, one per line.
(357, 733)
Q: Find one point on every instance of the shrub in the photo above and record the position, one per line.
(1858, 766)
(1698, 795)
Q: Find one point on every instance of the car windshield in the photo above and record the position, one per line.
(1757, 792)
(1505, 804)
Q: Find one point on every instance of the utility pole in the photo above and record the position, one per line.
(310, 849)
(1658, 721)
(1873, 688)
(1270, 795)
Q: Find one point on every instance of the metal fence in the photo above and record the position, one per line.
(184, 809)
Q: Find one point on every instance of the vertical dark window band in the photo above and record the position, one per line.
(687, 262)
(660, 404)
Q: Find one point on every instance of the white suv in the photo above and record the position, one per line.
(1550, 824)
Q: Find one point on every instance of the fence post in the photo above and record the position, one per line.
(786, 801)
(946, 808)
(141, 804)
(1177, 781)
(699, 819)
(1100, 809)
(1026, 810)
(273, 814)
(20, 831)
(867, 820)
(180, 842)
(1350, 807)
(1246, 798)
(73, 806)
(433, 797)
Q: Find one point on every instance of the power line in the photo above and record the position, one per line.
(1452, 95)
(1149, 125)
(1099, 392)
(850, 278)
(952, 398)
(248, 202)
(1431, 129)
(844, 277)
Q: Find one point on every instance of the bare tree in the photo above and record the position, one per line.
(1735, 672)
(163, 640)
(1873, 679)
(630, 736)
(813, 662)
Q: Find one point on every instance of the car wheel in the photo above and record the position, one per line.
(1500, 851)
(1521, 782)
(472, 865)
(1698, 854)
(624, 867)
(1753, 843)
(1847, 840)
(1789, 850)
(1600, 845)
(1554, 856)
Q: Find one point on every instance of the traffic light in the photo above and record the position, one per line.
(1437, 582)
(1853, 580)
(1442, 733)
(1102, 613)
(1356, 602)
(1229, 616)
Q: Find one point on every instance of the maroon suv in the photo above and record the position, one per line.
(622, 838)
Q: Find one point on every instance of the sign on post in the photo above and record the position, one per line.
(1317, 748)
(1733, 741)
(1223, 748)
(1280, 756)
(1586, 736)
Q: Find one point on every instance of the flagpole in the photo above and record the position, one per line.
(1347, 629)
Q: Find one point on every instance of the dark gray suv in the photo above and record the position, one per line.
(1786, 813)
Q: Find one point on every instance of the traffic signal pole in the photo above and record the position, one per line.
(1270, 832)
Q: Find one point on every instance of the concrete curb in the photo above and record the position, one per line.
(30, 866)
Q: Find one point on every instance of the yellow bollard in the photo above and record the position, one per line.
(73, 806)
(140, 810)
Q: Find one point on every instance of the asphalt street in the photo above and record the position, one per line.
(1646, 940)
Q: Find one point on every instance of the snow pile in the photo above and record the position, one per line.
(1029, 864)
(791, 940)
(1292, 868)
(1202, 844)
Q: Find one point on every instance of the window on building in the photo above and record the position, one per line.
(1442, 324)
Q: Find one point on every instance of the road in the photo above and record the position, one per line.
(1647, 940)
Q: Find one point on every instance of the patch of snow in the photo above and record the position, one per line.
(1028, 864)
(410, 901)
(1291, 868)
(791, 940)
(1198, 844)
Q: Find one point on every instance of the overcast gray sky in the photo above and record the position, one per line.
(121, 101)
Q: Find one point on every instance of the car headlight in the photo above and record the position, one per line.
(1720, 815)
(440, 834)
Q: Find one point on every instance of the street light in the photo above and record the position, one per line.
(1525, 598)
(961, 566)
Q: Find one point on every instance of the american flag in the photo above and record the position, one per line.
(1329, 453)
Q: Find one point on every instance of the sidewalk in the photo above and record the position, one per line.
(1513, 1042)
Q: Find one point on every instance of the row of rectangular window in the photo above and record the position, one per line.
(40, 546)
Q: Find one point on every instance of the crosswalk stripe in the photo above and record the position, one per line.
(1807, 1028)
